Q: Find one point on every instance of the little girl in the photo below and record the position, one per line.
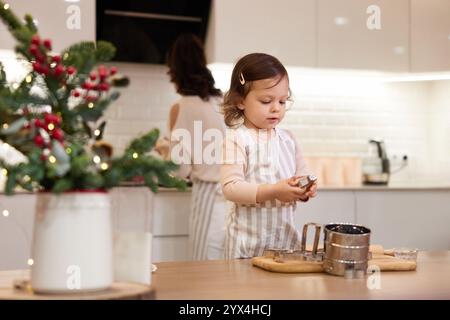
(262, 163)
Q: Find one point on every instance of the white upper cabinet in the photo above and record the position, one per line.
(363, 34)
(64, 22)
(430, 35)
(283, 28)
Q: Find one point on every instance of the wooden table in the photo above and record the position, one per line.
(118, 291)
(240, 280)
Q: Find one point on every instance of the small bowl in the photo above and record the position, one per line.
(406, 253)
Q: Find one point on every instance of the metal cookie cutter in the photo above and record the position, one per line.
(282, 255)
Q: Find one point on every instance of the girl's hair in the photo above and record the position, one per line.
(252, 67)
(187, 68)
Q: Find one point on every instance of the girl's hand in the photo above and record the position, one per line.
(287, 191)
(310, 192)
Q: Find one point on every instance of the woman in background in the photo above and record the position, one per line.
(200, 103)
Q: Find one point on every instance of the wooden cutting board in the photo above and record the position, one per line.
(383, 261)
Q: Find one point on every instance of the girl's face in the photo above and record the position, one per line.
(265, 104)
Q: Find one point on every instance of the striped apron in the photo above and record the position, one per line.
(207, 221)
(253, 228)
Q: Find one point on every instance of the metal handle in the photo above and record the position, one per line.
(316, 236)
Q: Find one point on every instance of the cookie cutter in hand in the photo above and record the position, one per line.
(307, 181)
(283, 255)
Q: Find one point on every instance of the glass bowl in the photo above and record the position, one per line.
(406, 253)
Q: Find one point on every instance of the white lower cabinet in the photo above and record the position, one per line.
(412, 218)
(408, 218)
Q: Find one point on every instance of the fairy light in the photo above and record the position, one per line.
(52, 159)
(135, 155)
(6, 6)
(5, 213)
(96, 159)
(66, 55)
(97, 132)
(30, 262)
(26, 178)
(68, 150)
(51, 126)
(4, 172)
(28, 79)
(15, 85)
(5, 126)
(90, 105)
(104, 166)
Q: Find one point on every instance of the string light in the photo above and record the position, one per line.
(15, 85)
(90, 105)
(5, 213)
(51, 126)
(6, 6)
(68, 150)
(66, 55)
(97, 159)
(28, 79)
(104, 166)
(52, 159)
(4, 172)
(97, 132)
(5, 126)
(30, 262)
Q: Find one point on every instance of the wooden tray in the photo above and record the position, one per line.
(384, 262)
(118, 291)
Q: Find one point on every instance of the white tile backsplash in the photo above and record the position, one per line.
(412, 117)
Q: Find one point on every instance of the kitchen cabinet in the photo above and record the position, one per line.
(430, 35)
(413, 218)
(16, 230)
(282, 28)
(64, 22)
(346, 41)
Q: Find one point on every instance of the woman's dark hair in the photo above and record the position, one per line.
(252, 67)
(187, 68)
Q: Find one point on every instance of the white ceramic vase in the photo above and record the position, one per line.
(72, 245)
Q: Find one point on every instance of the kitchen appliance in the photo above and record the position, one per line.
(345, 253)
(376, 167)
(346, 249)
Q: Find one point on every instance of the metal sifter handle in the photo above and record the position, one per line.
(316, 237)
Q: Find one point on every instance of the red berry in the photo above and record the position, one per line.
(40, 57)
(91, 98)
(56, 59)
(43, 157)
(48, 44)
(38, 123)
(113, 71)
(59, 70)
(37, 67)
(39, 141)
(58, 134)
(103, 86)
(76, 93)
(44, 70)
(36, 40)
(102, 72)
(88, 86)
(34, 49)
(92, 76)
(71, 70)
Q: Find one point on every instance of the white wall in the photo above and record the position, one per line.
(333, 115)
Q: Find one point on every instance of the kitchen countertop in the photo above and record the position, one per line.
(238, 279)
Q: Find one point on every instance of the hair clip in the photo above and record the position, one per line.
(241, 78)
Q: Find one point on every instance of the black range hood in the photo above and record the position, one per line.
(144, 30)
